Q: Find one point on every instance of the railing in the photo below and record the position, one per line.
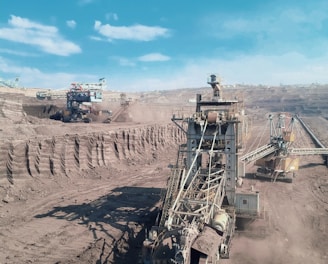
(259, 153)
(308, 151)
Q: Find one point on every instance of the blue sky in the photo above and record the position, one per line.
(140, 45)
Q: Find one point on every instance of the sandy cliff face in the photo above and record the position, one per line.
(73, 155)
(34, 149)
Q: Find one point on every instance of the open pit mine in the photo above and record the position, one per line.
(209, 175)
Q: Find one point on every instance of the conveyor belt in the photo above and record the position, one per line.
(308, 151)
(259, 153)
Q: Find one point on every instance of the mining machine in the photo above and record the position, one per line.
(279, 160)
(196, 220)
(9, 83)
(50, 94)
(79, 102)
(124, 105)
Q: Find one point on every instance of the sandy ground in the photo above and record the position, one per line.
(84, 193)
(294, 216)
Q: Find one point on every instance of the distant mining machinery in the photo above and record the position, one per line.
(79, 102)
(9, 83)
(197, 218)
(124, 105)
(278, 160)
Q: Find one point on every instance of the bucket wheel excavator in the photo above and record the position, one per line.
(279, 160)
(197, 218)
(79, 102)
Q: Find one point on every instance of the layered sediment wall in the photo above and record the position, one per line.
(72, 155)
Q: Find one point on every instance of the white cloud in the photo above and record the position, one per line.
(71, 23)
(23, 23)
(34, 78)
(289, 68)
(154, 57)
(18, 53)
(46, 38)
(110, 16)
(124, 61)
(96, 38)
(135, 32)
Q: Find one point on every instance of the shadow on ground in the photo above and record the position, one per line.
(128, 209)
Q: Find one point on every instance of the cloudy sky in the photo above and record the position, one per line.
(140, 45)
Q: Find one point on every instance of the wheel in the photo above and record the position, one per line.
(289, 180)
(107, 121)
(66, 119)
(87, 120)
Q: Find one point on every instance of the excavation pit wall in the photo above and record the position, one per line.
(70, 155)
(120, 165)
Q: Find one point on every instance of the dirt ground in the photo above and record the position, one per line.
(294, 216)
(85, 193)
